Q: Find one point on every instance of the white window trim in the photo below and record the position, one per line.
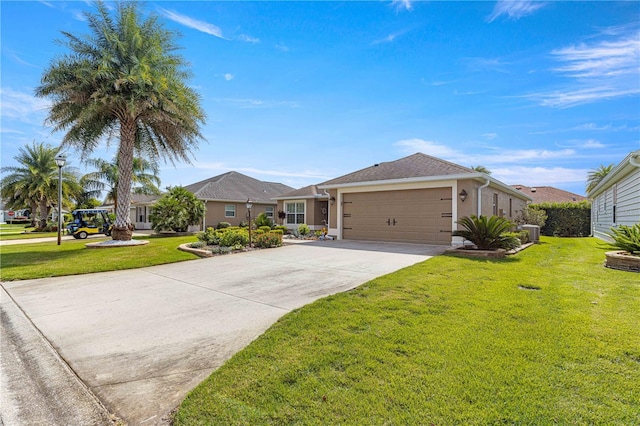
(270, 211)
(304, 212)
(227, 210)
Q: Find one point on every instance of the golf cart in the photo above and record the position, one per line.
(89, 222)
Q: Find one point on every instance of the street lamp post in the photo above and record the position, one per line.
(249, 205)
(60, 160)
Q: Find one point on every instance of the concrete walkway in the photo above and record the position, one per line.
(141, 339)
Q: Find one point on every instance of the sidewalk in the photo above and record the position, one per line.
(38, 387)
(141, 233)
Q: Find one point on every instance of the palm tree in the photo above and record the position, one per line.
(596, 175)
(35, 181)
(144, 179)
(481, 169)
(124, 78)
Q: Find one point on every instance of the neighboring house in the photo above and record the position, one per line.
(616, 199)
(226, 195)
(140, 209)
(549, 194)
(416, 199)
(307, 205)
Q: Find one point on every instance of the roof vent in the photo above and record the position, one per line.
(376, 165)
(533, 190)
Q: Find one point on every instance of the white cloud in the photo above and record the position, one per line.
(514, 9)
(490, 136)
(196, 24)
(402, 4)
(592, 143)
(601, 70)
(22, 106)
(257, 103)
(248, 38)
(281, 47)
(489, 156)
(539, 176)
(228, 76)
(223, 167)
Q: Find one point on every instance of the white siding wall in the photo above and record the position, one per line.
(625, 196)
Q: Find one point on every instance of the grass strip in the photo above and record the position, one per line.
(548, 336)
(40, 260)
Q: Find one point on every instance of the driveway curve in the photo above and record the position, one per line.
(141, 339)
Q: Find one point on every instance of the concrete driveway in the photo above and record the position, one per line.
(141, 339)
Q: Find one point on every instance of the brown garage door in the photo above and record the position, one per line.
(413, 216)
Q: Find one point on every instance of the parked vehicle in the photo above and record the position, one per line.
(89, 222)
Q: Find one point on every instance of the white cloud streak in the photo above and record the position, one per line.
(402, 4)
(22, 106)
(228, 76)
(222, 167)
(602, 70)
(196, 24)
(514, 9)
(248, 38)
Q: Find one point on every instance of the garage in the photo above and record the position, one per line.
(413, 216)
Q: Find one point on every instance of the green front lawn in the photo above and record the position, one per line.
(548, 336)
(39, 260)
(20, 232)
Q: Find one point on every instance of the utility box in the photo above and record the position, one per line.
(534, 232)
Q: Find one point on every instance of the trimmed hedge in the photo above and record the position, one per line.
(566, 219)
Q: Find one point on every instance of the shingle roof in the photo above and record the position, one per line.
(310, 191)
(549, 194)
(234, 186)
(413, 166)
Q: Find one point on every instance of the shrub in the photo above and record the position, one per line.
(210, 236)
(223, 225)
(265, 228)
(234, 237)
(531, 215)
(176, 210)
(627, 238)
(486, 233)
(566, 219)
(263, 221)
(259, 231)
(277, 231)
(303, 229)
(244, 224)
(268, 240)
(281, 228)
(513, 240)
(198, 244)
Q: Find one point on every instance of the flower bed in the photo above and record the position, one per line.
(622, 261)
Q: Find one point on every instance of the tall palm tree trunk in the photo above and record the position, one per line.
(123, 229)
(33, 205)
(42, 209)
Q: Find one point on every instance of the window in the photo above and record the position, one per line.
(495, 204)
(295, 213)
(141, 213)
(230, 210)
(510, 207)
(269, 212)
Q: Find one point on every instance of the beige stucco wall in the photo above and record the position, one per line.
(313, 212)
(215, 212)
(508, 204)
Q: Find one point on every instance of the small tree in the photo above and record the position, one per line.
(263, 220)
(176, 210)
(531, 215)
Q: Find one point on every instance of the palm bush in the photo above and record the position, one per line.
(262, 220)
(627, 238)
(487, 233)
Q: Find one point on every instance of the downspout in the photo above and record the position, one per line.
(480, 195)
(328, 208)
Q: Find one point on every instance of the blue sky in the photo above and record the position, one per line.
(301, 92)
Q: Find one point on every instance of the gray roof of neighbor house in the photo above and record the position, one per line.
(310, 191)
(413, 166)
(234, 186)
(549, 194)
(418, 167)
